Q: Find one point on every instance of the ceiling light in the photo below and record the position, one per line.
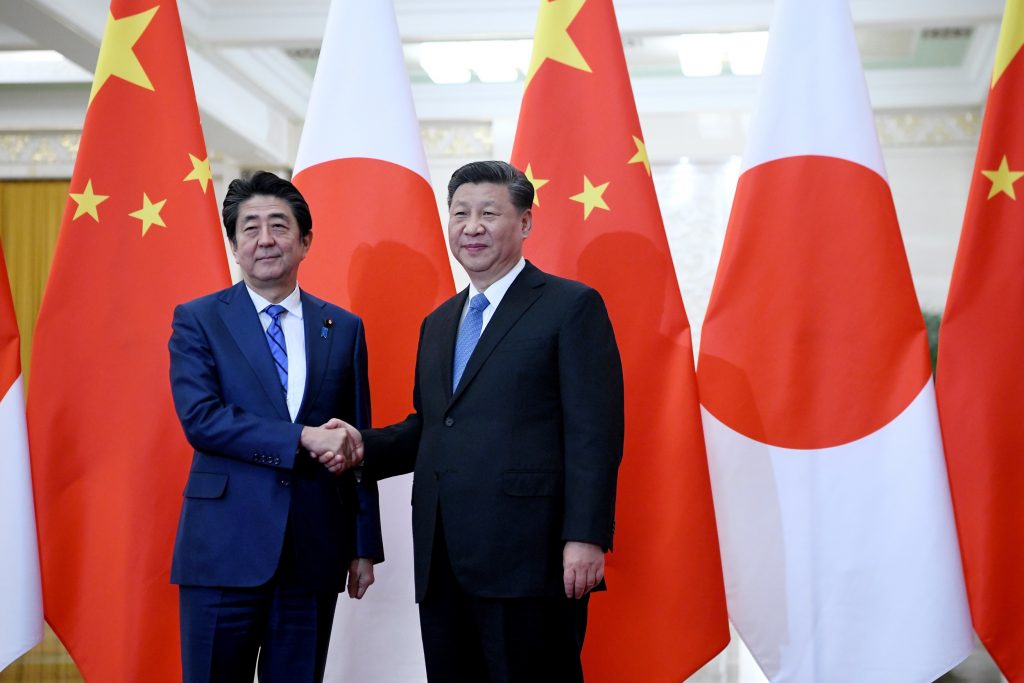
(444, 62)
(745, 52)
(701, 54)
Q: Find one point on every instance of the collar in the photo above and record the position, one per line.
(292, 303)
(496, 290)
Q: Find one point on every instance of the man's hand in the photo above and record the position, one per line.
(337, 459)
(582, 568)
(360, 577)
(331, 446)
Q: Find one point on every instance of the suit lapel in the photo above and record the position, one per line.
(243, 322)
(525, 290)
(318, 349)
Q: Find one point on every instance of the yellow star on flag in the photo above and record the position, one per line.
(149, 214)
(641, 154)
(1003, 179)
(591, 197)
(88, 202)
(536, 182)
(552, 40)
(117, 56)
(200, 171)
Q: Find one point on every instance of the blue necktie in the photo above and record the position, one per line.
(469, 335)
(275, 338)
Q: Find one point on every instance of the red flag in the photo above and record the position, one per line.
(139, 235)
(379, 251)
(980, 374)
(838, 543)
(21, 620)
(596, 219)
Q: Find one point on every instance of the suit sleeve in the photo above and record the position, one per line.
(391, 451)
(369, 542)
(590, 377)
(210, 424)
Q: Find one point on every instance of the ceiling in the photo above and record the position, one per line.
(252, 61)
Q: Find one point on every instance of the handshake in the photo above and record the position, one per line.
(335, 444)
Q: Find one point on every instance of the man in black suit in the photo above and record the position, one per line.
(515, 443)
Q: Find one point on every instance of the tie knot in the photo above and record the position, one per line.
(274, 310)
(479, 302)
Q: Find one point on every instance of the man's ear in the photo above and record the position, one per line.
(527, 222)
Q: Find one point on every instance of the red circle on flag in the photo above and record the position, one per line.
(378, 250)
(813, 337)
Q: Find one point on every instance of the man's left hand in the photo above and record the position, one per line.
(582, 568)
(360, 577)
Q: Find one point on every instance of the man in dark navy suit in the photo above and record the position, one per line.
(515, 443)
(274, 520)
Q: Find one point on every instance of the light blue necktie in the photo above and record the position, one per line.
(275, 339)
(469, 335)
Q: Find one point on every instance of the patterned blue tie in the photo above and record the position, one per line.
(275, 338)
(469, 335)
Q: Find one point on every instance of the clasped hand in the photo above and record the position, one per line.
(335, 444)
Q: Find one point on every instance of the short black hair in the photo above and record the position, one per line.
(520, 189)
(268, 184)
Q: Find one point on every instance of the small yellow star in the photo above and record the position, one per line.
(200, 171)
(552, 40)
(641, 154)
(591, 197)
(537, 184)
(149, 214)
(88, 202)
(1003, 179)
(117, 58)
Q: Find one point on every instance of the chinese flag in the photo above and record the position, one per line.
(379, 251)
(596, 219)
(109, 461)
(838, 542)
(980, 375)
(21, 620)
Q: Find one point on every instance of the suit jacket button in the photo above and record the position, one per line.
(277, 461)
(284, 482)
(449, 421)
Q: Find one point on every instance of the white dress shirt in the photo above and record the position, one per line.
(495, 293)
(294, 341)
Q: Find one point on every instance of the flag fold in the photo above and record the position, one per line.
(109, 461)
(596, 219)
(838, 543)
(980, 371)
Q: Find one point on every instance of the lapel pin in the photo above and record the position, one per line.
(323, 330)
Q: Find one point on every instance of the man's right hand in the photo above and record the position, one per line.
(336, 444)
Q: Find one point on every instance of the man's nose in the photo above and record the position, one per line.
(265, 236)
(474, 226)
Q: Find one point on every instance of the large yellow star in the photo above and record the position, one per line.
(1011, 38)
(641, 154)
(536, 182)
(591, 197)
(552, 40)
(200, 171)
(1002, 179)
(149, 214)
(117, 58)
(88, 202)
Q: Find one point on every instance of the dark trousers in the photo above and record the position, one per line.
(467, 639)
(282, 623)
